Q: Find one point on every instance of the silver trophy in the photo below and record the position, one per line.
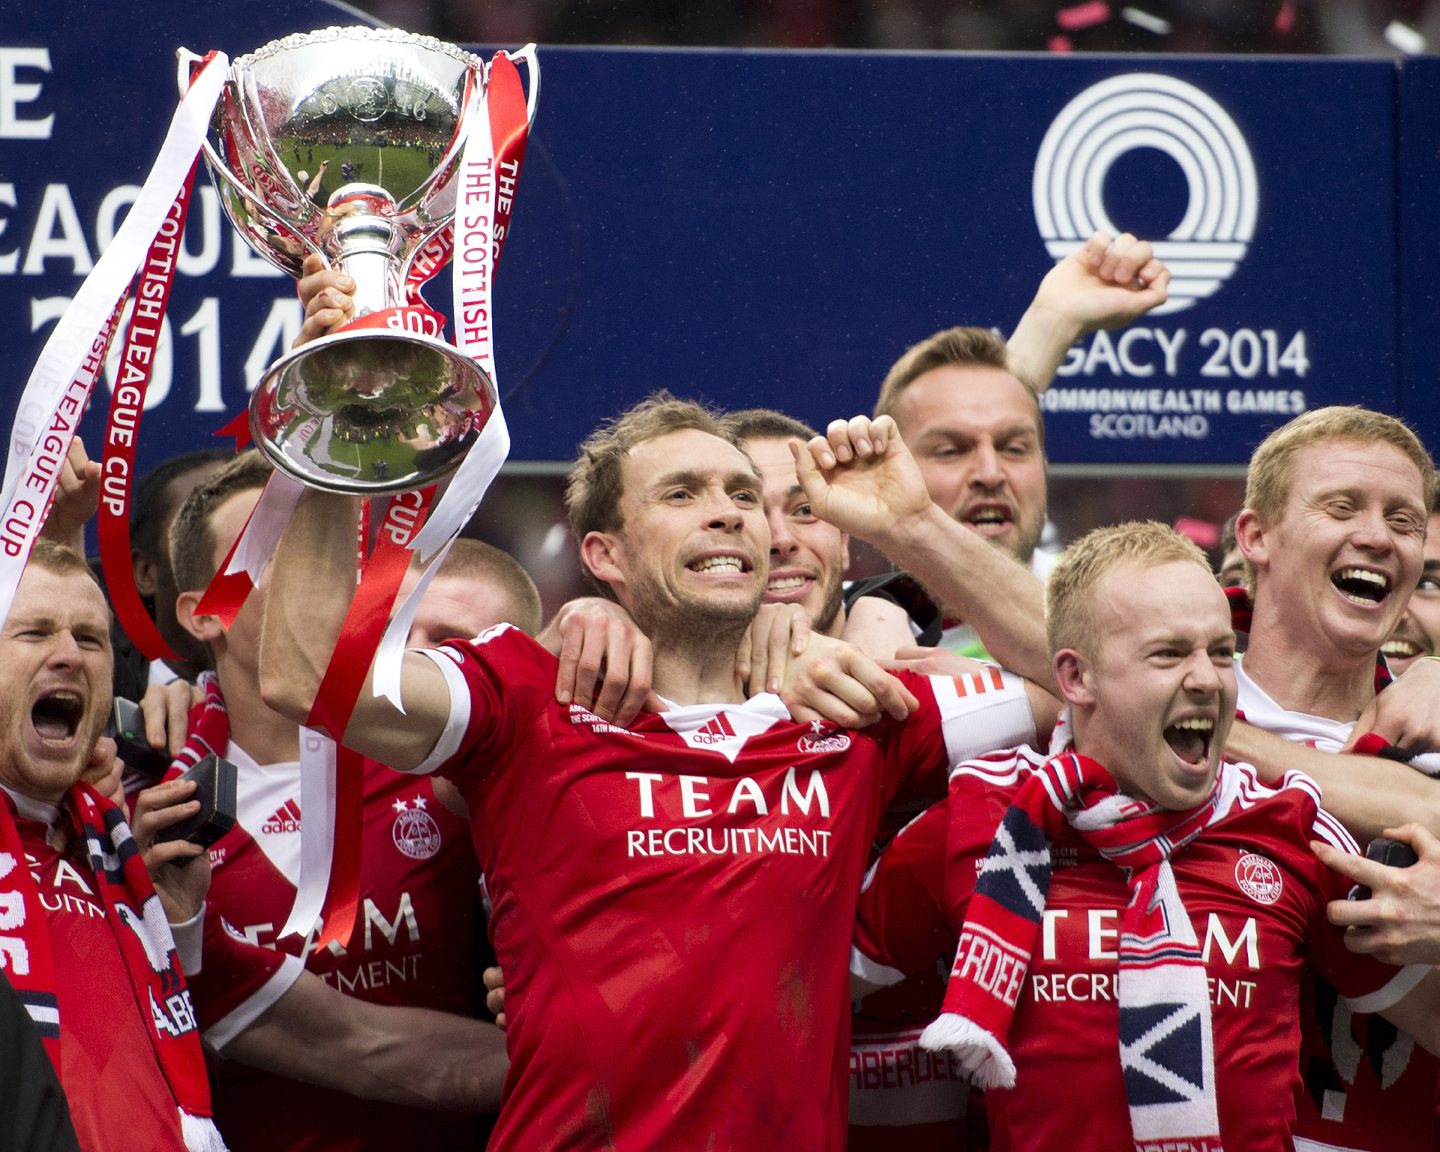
(348, 142)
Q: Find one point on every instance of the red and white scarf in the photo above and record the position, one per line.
(208, 731)
(137, 921)
(1165, 1041)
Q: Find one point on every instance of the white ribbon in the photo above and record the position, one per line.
(72, 357)
(261, 535)
(472, 280)
(317, 838)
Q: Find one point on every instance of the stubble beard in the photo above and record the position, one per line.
(691, 622)
(830, 606)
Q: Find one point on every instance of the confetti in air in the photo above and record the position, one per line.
(1083, 16)
(1060, 44)
(1146, 21)
(1404, 39)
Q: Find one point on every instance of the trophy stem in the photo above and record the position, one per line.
(368, 242)
(369, 269)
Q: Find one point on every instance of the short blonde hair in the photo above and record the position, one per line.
(1272, 465)
(61, 560)
(1070, 594)
(474, 560)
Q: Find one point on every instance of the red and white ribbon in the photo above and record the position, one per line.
(329, 891)
(488, 174)
(122, 427)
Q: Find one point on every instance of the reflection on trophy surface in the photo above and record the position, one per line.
(348, 142)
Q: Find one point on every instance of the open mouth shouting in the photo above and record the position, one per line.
(55, 719)
(989, 517)
(1190, 740)
(1362, 586)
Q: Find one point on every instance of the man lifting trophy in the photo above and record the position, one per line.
(360, 144)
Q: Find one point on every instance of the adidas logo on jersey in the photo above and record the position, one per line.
(715, 731)
(286, 818)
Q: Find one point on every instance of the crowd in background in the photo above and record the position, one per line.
(1346, 27)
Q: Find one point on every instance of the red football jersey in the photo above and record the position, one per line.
(1256, 896)
(237, 981)
(411, 944)
(119, 1099)
(1367, 1086)
(672, 902)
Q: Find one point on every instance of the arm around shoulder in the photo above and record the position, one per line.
(1365, 793)
(409, 1056)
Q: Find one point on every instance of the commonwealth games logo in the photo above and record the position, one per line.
(1147, 110)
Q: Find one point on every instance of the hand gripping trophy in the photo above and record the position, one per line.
(356, 143)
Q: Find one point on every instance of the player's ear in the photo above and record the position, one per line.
(147, 575)
(207, 628)
(1075, 677)
(603, 555)
(1250, 538)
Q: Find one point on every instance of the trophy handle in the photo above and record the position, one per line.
(185, 59)
(439, 179)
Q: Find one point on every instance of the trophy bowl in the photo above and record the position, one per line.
(347, 142)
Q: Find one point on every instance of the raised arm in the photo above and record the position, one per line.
(861, 478)
(310, 585)
(1103, 284)
(76, 498)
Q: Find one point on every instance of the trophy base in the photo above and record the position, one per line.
(370, 412)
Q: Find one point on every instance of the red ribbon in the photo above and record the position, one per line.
(416, 319)
(227, 592)
(340, 689)
(238, 427)
(509, 129)
(369, 613)
(122, 428)
(342, 897)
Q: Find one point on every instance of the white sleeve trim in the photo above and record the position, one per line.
(1400, 986)
(873, 972)
(224, 1030)
(983, 711)
(189, 938)
(449, 742)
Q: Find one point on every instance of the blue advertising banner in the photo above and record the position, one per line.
(1417, 258)
(776, 227)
